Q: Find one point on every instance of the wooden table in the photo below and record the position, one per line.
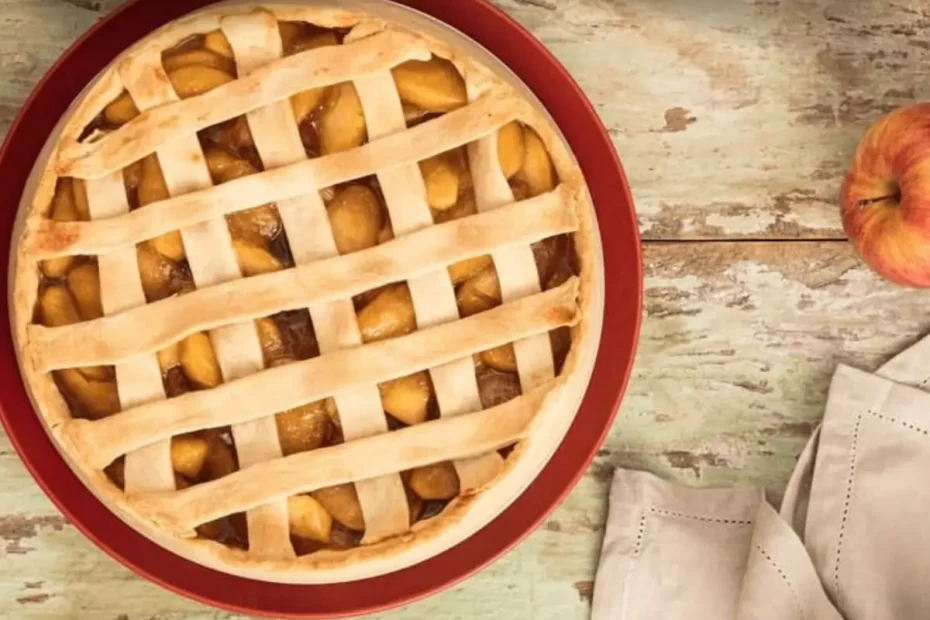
(735, 121)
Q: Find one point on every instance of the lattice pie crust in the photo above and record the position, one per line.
(128, 337)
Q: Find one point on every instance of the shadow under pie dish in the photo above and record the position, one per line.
(305, 295)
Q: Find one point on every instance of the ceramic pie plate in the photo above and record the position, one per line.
(561, 98)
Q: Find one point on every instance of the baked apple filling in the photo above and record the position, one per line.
(330, 120)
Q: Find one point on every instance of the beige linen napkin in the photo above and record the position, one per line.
(910, 367)
(855, 500)
(867, 529)
(897, 577)
(672, 552)
(701, 554)
(780, 582)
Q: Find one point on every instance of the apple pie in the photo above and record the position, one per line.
(305, 294)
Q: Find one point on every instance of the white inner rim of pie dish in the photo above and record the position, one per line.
(548, 430)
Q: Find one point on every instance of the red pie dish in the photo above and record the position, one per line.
(307, 300)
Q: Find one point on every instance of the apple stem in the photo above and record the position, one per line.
(870, 201)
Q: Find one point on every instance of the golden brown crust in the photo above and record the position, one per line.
(272, 390)
(454, 437)
(465, 514)
(113, 339)
(95, 158)
(48, 239)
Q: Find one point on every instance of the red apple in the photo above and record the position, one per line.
(885, 199)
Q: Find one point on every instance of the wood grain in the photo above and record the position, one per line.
(735, 120)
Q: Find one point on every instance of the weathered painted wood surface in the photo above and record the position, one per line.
(735, 120)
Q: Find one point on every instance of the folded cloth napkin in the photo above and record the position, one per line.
(849, 542)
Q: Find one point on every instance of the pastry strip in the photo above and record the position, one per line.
(170, 121)
(458, 437)
(306, 225)
(49, 239)
(212, 260)
(515, 265)
(116, 338)
(284, 387)
(138, 380)
(432, 293)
